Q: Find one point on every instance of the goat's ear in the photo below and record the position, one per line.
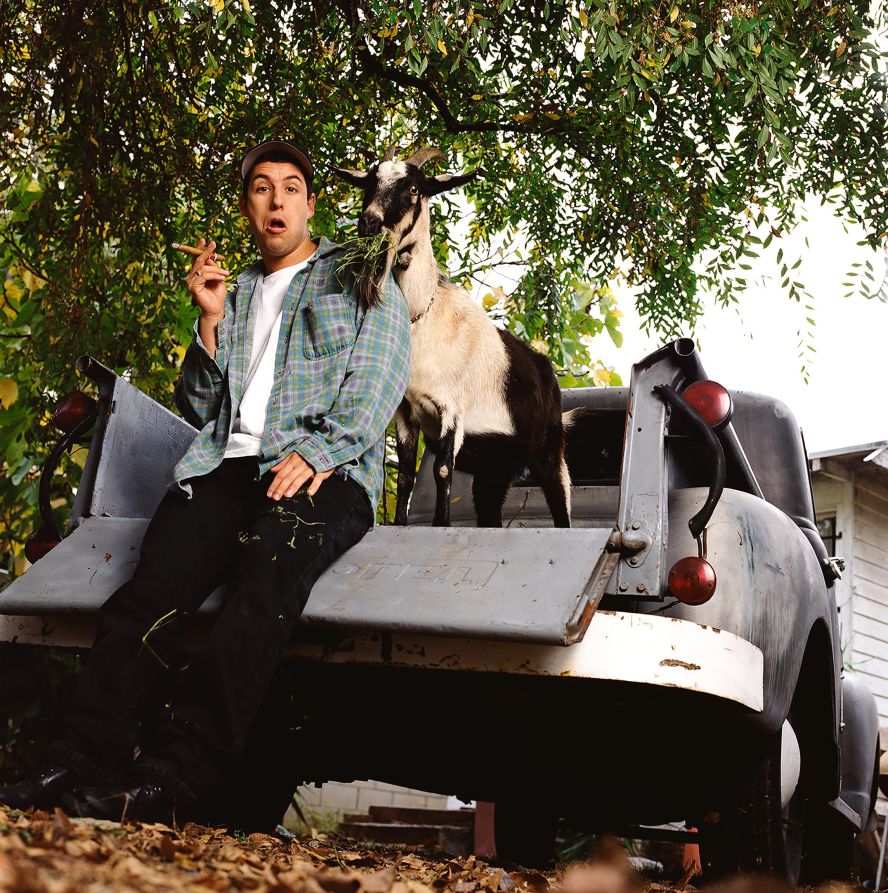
(443, 182)
(356, 178)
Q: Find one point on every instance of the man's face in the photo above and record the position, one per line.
(278, 207)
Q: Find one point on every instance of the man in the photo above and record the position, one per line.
(291, 383)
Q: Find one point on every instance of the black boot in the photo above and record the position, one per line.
(43, 788)
(148, 797)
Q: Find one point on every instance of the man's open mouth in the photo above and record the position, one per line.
(276, 225)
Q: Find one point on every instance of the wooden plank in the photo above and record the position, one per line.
(875, 524)
(872, 554)
(877, 684)
(868, 570)
(874, 485)
(874, 669)
(875, 629)
(866, 515)
(407, 815)
(870, 590)
(862, 644)
(874, 605)
(872, 546)
(379, 832)
(827, 495)
(865, 496)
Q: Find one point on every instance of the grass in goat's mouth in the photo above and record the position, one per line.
(358, 250)
(363, 257)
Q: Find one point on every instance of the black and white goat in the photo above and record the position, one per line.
(486, 402)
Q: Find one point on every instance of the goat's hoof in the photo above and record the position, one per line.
(404, 260)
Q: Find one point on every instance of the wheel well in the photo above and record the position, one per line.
(812, 714)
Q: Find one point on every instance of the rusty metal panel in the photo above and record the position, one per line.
(141, 444)
(81, 571)
(533, 585)
(68, 631)
(537, 585)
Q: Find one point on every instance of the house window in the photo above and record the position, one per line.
(826, 527)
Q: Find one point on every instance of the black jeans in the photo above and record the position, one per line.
(272, 553)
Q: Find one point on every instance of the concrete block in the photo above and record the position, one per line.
(385, 786)
(336, 795)
(368, 797)
(309, 794)
(409, 799)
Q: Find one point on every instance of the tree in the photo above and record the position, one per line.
(654, 141)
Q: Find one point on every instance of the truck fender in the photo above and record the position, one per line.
(859, 747)
(813, 714)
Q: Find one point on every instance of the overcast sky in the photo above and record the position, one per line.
(754, 346)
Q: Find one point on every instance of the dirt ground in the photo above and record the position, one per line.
(51, 853)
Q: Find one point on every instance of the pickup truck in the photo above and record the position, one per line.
(672, 658)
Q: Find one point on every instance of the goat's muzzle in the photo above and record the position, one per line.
(369, 224)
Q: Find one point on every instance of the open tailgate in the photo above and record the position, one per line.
(538, 585)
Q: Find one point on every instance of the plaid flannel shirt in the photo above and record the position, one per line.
(340, 373)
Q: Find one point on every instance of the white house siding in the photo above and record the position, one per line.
(869, 643)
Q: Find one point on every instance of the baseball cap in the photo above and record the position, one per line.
(298, 153)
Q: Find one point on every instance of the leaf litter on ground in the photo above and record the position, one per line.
(44, 852)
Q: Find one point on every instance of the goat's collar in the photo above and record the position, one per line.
(419, 316)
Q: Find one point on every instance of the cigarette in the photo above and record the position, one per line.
(188, 249)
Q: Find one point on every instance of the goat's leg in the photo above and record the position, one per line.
(489, 493)
(555, 481)
(444, 462)
(407, 439)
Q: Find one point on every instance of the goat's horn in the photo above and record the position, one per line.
(421, 156)
(390, 152)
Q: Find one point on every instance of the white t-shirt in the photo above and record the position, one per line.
(246, 429)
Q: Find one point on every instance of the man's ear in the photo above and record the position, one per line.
(311, 205)
(242, 206)
(443, 182)
(356, 178)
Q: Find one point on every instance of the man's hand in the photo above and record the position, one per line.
(292, 473)
(206, 281)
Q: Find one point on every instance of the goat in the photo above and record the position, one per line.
(486, 402)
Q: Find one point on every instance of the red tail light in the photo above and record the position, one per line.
(72, 409)
(711, 401)
(39, 543)
(692, 580)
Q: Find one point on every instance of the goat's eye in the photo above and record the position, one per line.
(414, 189)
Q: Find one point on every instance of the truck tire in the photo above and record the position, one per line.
(829, 847)
(747, 833)
(524, 832)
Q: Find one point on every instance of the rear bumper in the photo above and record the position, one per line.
(618, 647)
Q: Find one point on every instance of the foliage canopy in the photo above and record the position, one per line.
(653, 141)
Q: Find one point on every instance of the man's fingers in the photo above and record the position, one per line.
(318, 480)
(201, 259)
(212, 276)
(287, 484)
(290, 478)
(291, 474)
(284, 463)
(296, 486)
